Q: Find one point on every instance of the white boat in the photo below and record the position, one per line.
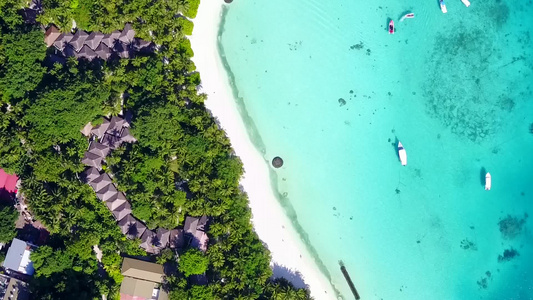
(443, 7)
(466, 3)
(488, 182)
(402, 154)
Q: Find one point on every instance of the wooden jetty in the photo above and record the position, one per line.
(349, 280)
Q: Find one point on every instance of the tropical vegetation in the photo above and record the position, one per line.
(182, 164)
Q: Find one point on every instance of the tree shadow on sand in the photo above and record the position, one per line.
(293, 277)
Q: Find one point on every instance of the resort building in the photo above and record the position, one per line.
(18, 257)
(195, 228)
(142, 280)
(94, 45)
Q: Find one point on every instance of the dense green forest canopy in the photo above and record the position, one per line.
(182, 163)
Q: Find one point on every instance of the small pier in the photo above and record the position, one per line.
(349, 280)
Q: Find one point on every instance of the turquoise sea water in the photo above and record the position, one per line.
(330, 91)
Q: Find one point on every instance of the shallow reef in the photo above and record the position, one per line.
(512, 226)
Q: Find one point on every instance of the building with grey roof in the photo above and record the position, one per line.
(92, 160)
(100, 182)
(126, 136)
(176, 238)
(131, 227)
(99, 149)
(94, 39)
(122, 211)
(87, 53)
(62, 41)
(107, 192)
(142, 280)
(123, 50)
(147, 241)
(115, 125)
(110, 39)
(195, 228)
(163, 237)
(110, 140)
(103, 51)
(89, 174)
(127, 34)
(99, 130)
(78, 40)
(115, 201)
(18, 257)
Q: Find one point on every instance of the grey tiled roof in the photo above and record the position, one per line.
(87, 53)
(100, 182)
(107, 192)
(163, 236)
(78, 40)
(99, 149)
(123, 50)
(122, 211)
(111, 140)
(127, 34)
(131, 227)
(191, 223)
(109, 39)
(90, 174)
(62, 41)
(92, 160)
(103, 51)
(94, 39)
(125, 136)
(177, 239)
(100, 129)
(115, 125)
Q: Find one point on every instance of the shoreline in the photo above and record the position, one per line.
(287, 250)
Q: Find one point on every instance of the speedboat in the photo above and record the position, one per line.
(443, 6)
(466, 3)
(391, 27)
(410, 16)
(402, 154)
(488, 182)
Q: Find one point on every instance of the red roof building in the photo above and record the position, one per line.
(8, 182)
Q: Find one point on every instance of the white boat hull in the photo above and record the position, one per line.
(402, 154)
(443, 8)
(488, 182)
(466, 3)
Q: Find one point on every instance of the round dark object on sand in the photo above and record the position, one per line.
(228, 1)
(277, 162)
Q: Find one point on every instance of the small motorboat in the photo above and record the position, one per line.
(443, 7)
(488, 182)
(410, 16)
(391, 27)
(466, 3)
(402, 154)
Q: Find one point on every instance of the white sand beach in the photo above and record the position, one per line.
(269, 219)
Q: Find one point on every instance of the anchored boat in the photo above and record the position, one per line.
(466, 3)
(402, 154)
(443, 6)
(391, 27)
(488, 182)
(409, 16)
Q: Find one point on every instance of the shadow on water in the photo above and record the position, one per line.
(482, 174)
(293, 277)
(387, 25)
(395, 147)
